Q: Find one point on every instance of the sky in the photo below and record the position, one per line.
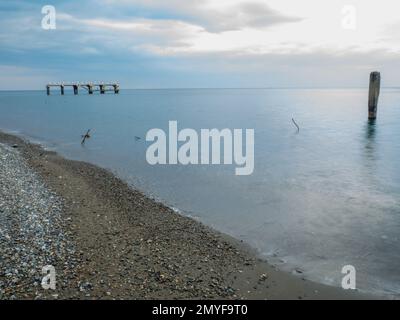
(200, 43)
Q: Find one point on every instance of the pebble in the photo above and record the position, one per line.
(31, 228)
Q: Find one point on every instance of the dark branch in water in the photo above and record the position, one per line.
(298, 128)
(85, 136)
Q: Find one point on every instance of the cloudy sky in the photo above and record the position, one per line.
(201, 43)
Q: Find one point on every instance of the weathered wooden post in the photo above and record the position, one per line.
(374, 90)
(62, 89)
(102, 89)
(75, 89)
(48, 90)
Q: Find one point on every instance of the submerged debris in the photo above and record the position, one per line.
(85, 136)
(294, 122)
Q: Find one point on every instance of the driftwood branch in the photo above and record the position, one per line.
(297, 126)
(85, 136)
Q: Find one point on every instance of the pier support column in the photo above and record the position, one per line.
(102, 89)
(48, 90)
(374, 90)
(62, 89)
(75, 89)
(116, 88)
(90, 87)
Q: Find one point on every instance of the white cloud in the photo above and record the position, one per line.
(249, 27)
(205, 26)
(217, 16)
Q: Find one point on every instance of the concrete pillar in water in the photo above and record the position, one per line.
(75, 89)
(48, 90)
(90, 87)
(116, 88)
(374, 90)
(102, 89)
(62, 89)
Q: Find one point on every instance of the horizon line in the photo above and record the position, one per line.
(229, 88)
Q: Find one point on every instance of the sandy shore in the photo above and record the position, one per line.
(109, 241)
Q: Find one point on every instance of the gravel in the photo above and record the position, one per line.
(31, 229)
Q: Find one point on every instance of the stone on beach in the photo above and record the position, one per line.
(31, 228)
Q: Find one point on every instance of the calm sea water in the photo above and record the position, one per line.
(319, 199)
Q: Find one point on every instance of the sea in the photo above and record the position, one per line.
(320, 198)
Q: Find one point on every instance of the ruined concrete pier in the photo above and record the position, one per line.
(89, 86)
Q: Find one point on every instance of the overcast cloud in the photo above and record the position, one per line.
(200, 43)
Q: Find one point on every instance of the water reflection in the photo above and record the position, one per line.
(370, 141)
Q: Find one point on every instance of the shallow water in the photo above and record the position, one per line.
(319, 199)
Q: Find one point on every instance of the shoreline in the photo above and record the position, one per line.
(128, 246)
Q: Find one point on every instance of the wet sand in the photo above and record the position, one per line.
(128, 246)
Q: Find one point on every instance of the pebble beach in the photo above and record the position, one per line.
(32, 229)
(109, 241)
